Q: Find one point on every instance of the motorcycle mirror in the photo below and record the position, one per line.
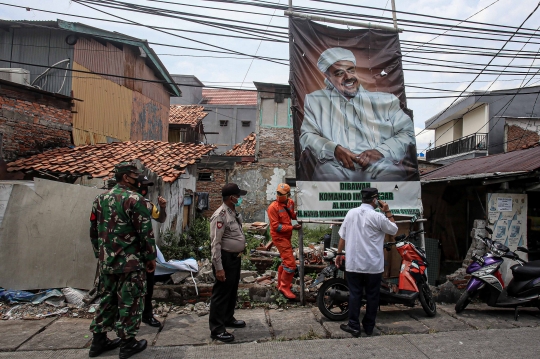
(388, 249)
(522, 249)
(489, 230)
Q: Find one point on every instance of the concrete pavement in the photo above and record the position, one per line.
(401, 332)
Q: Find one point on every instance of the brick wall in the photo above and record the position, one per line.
(276, 143)
(518, 137)
(213, 188)
(31, 122)
(275, 163)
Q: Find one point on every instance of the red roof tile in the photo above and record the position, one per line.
(229, 97)
(186, 115)
(246, 148)
(163, 158)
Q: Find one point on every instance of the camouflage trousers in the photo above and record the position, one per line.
(122, 304)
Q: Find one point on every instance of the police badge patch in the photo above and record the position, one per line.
(219, 225)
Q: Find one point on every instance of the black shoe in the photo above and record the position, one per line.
(101, 344)
(151, 321)
(368, 332)
(131, 347)
(225, 337)
(345, 327)
(236, 324)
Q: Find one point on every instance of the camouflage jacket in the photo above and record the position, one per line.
(121, 231)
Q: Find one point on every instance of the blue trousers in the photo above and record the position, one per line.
(358, 282)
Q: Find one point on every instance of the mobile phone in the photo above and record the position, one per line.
(379, 204)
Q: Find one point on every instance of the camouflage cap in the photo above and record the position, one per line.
(127, 167)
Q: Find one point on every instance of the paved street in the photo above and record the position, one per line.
(299, 333)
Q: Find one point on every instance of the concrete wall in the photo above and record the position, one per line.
(44, 237)
(191, 89)
(225, 137)
(444, 134)
(475, 121)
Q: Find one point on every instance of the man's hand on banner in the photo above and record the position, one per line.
(367, 158)
(345, 157)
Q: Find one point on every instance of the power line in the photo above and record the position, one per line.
(527, 18)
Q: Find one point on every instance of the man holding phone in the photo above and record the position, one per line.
(362, 235)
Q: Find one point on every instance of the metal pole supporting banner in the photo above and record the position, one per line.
(394, 13)
(301, 264)
(369, 25)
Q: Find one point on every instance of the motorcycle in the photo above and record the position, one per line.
(333, 295)
(486, 279)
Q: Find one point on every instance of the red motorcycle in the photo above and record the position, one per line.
(333, 295)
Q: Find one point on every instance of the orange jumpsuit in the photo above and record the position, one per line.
(281, 231)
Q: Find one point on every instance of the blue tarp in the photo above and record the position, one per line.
(21, 296)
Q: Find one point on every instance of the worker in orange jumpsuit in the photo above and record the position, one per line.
(281, 213)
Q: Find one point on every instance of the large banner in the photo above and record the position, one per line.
(352, 128)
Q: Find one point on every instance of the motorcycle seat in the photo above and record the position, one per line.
(529, 270)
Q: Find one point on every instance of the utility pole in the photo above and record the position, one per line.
(393, 13)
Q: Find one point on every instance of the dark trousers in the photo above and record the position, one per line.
(358, 282)
(148, 310)
(224, 294)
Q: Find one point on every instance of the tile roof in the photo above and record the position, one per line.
(246, 148)
(186, 115)
(516, 161)
(229, 97)
(165, 159)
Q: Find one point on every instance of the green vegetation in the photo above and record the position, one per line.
(311, 235)
(194, 243)
(276, 262)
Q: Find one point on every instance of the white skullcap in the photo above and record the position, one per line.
(333, 55)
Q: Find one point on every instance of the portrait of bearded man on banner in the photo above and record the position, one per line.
(351, 134)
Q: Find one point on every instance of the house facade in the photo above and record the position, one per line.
(123, 88)
(475, 125)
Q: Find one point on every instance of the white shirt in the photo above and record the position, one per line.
(363, 231)
(370, 120)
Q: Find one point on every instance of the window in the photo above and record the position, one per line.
(205, 176)
(223, 123)
(246, 123)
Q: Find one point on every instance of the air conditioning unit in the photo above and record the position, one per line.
(17, 75)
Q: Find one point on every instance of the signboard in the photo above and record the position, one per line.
(352, 128)
(507, 213)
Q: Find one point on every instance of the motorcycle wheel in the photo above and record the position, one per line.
(427, 301)
(330, 308)
(463, 302)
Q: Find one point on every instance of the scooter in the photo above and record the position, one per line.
(333, 295)
(486, 279)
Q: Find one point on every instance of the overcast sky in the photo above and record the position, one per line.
(221, 70)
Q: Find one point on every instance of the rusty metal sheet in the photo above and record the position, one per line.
(150, 119)
(106, 109)
(515, 161)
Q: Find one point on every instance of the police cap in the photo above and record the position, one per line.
(232, 189)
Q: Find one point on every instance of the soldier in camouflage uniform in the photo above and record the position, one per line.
(123, 241)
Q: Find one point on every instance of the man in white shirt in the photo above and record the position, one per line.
(362, 235)
(354, 134)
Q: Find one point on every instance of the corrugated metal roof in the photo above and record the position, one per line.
(165, 159)
(246, 148)
(190, 115)
(229, 97)
(153, 60)
(504, 163)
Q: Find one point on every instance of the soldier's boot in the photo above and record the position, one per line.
(286, 282)
(131, 347)
(101, 344)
